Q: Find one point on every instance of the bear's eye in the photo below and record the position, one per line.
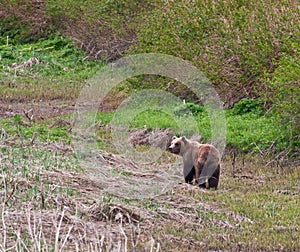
(176, 144)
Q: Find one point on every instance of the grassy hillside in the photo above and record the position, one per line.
(247, 49)
(52, 201)
(235, 43)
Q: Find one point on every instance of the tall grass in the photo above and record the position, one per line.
(233, 42)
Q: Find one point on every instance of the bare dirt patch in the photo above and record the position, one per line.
(39, 110)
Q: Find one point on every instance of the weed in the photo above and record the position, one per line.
(247, 105)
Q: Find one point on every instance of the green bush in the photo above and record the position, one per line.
(248, 105)
(251, 132)
(189, 107)
(248, 130)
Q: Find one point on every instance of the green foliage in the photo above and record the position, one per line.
(247, 129)
(17, 119)
(104, 118)
(104, 29)
(196, 109)
(239, 45)
(92, 10)
(285, 86)
(24, 21)
(190, 107)
(233, 42)
(251, 132)
(8, 35)
(153, 119)
(248, 105)
(53, 56)
(49, 69)
(39, 132)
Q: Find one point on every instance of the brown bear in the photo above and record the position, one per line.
(201, 162)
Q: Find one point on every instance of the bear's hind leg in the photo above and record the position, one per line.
(214, 179)
(189, 177)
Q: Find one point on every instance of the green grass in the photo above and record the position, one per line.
(274, 214)
(47, 69)
(153, 119)
(247, 132)
(234, 43)
(258, 216)
(57, 56)
(19, 127)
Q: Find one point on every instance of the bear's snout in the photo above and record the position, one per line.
(170, 149)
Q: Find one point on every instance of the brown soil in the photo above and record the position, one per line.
(39, 110)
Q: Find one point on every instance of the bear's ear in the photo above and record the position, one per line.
(184, 139)
(174, 137)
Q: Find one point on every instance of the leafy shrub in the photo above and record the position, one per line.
(248, 105)
(189, 107)
(251, 132)
(196, 109)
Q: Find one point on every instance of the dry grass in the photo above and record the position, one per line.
(50, 204)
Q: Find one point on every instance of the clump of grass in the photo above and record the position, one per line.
(29, 132)
(55, 55)
(153, 119)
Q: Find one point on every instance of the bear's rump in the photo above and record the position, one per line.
(209, 167)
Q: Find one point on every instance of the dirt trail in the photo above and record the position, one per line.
(39, 109)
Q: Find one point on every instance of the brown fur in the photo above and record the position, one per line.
(201, 162)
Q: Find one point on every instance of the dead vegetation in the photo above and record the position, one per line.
(158, 137)
(87, 220)
(60, 208)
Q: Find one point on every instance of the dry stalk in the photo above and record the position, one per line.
(135, 233)
(124, 234)
(3, 212)
(66, 238)
(56, 245)
(28, 215)
(158, 247)
(152, 242)
(101, 242)
(26, 113)
(20, 243)
(3, 246)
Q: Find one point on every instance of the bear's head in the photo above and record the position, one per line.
(177, 145)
